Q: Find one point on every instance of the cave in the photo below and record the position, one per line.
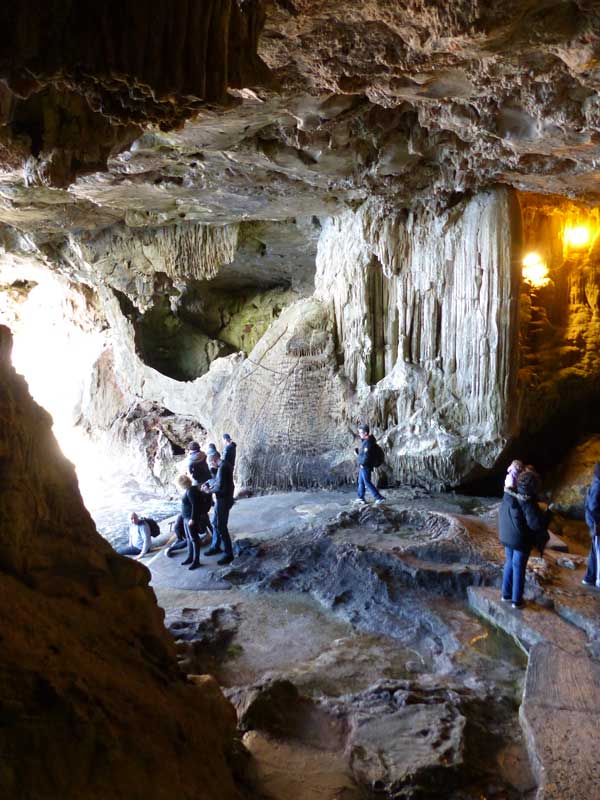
(280, 220)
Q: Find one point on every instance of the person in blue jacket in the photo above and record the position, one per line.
(592, 518)
(522, 525)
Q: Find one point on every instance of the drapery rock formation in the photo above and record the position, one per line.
(89, 708)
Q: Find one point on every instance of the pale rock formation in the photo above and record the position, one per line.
(426, 320)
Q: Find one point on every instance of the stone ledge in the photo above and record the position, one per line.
(561, 699)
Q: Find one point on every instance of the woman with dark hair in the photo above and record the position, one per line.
(195, 506)
(522, 526)
(592, 518)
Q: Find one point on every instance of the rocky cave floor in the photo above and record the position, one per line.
(368, 654)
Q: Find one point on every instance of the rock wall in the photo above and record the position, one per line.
(93, 704)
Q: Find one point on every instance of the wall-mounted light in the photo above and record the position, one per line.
(535, 271)
(578, 236)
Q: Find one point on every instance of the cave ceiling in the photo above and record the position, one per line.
(227, 111)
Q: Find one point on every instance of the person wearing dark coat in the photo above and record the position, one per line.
(223, 489)
(195, 506)
(366, 465)
(180, 542)
(522, 525)
(592, 518)
(229, 450)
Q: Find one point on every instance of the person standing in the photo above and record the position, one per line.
(195, 506)
(522, 525)
(140, 538)
(366, 464)
(592, 518)
(229, 450)
(223, 488)
(196, 464)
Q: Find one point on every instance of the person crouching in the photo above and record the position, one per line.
(195, 506)
(140, 538)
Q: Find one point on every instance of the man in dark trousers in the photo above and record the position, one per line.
(222, 487)
(366, 463)
(229, 450)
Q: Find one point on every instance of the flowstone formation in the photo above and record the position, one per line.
(90, 709)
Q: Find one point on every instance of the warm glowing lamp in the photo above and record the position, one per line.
(578, 236)
(535, 272)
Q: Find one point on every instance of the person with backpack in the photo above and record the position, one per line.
(522, 525)
(195, 506)
(592, 518)
(370, 455)
(140, 538)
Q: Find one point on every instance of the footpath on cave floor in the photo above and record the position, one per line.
(378, 568)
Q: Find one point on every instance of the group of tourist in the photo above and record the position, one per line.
(522, 523)
(207, 483)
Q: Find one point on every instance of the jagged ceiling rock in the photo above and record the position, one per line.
(85, 79)
(412, 102)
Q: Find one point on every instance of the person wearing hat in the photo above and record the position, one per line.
(196, 464)
(229, 450)
(592, 518)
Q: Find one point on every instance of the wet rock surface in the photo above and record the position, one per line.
(343, 654)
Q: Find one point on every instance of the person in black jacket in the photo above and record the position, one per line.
(229, 450)
(195, 506)
(366, 466)
(223, 488)
(592, 518)
(522, 525)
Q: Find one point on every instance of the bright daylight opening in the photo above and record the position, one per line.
(56, 356)
(56, 343)
(535, 271)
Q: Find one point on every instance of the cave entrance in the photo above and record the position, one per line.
(57, 337)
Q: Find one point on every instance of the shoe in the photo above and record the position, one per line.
(587, 583)
(359, 502)
(519, 605)
(186, 562)
(505, 599)
(195, 565)
(225, 560)
(212, 551)
(379, 502)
